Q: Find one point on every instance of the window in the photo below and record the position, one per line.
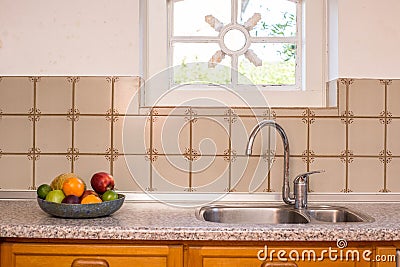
(273, 47)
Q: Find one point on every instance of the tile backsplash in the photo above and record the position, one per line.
(51, 125)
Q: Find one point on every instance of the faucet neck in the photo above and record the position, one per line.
(286, 187)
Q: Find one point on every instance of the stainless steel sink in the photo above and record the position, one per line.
(258, 214)
(336, 215)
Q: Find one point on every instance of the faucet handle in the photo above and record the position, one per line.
(305, 175)
(300, 189)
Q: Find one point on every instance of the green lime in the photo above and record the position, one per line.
(43, 190)
(55, 196)
(109, 195)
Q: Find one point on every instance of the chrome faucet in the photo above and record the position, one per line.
(301, 181)
(301, 189)
(286, 188)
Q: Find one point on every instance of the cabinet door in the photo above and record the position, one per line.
(39, 255)
(209, 256)
(385, 257)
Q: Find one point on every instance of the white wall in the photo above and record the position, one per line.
(100, 37)
(368, 39)
(59, 37)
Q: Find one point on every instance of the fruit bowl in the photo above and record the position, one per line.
(80, 211)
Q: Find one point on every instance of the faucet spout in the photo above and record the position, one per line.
(286, 187)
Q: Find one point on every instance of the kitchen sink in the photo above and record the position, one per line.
(256, 215)
(336, 215)
(285, 214)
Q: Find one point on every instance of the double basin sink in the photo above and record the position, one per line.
(284, 214)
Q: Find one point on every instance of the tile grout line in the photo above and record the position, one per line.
(347, 84)
(35, 79)
(308, 145)
(112, 127)
(269, 158)
(229, 189)
(74, 79)
(190, 150)
(151, 151)
(386, 83)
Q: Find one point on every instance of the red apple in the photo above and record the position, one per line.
(88, 192)
(101, 182)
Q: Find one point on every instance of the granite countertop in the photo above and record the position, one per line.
(156, 221)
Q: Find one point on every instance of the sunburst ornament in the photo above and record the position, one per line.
(241, 36)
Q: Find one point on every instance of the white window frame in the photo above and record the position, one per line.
(312, 49)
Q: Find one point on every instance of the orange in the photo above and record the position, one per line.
(91, 199)
(73, 186)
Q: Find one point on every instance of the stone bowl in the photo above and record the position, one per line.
(81, 211)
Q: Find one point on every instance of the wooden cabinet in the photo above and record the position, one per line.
(208, 256)
(93, 255)
(74, 253)
(386, 256)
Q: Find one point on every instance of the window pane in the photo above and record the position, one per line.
(189, 16)
(278, 64)
(199, 54)
(278, 17)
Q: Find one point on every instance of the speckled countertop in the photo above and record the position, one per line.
(155, 221)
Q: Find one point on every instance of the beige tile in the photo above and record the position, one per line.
(137, 169)
(210, 135)
(296, 131)
(93, 95)
(249, 174)
(87, 165)
(210, 174)
(241, 130)
(288, 112)
(171, 135)
(16, 134)
(393, 175)
(53, 134)
(132, 134)
(251, 112)
(393, 140)
(16, 95)
(327, 136)
(393, 97)
(54, 95)
(126, 95)
(170, 174)
(342, 94)
(365, 175)
(92, 134)
(17, 172)
(366, 137)
(212, 112)
(332, 180)
(325, 112)
(296, 166)
(367, 98)
(174, 111)
(125, 180)
(49, 167)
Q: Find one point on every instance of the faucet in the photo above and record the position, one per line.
(301, 189)
(301, 181)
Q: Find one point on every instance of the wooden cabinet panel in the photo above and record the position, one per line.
(385, 257)
(39, 255)
(218, 256)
